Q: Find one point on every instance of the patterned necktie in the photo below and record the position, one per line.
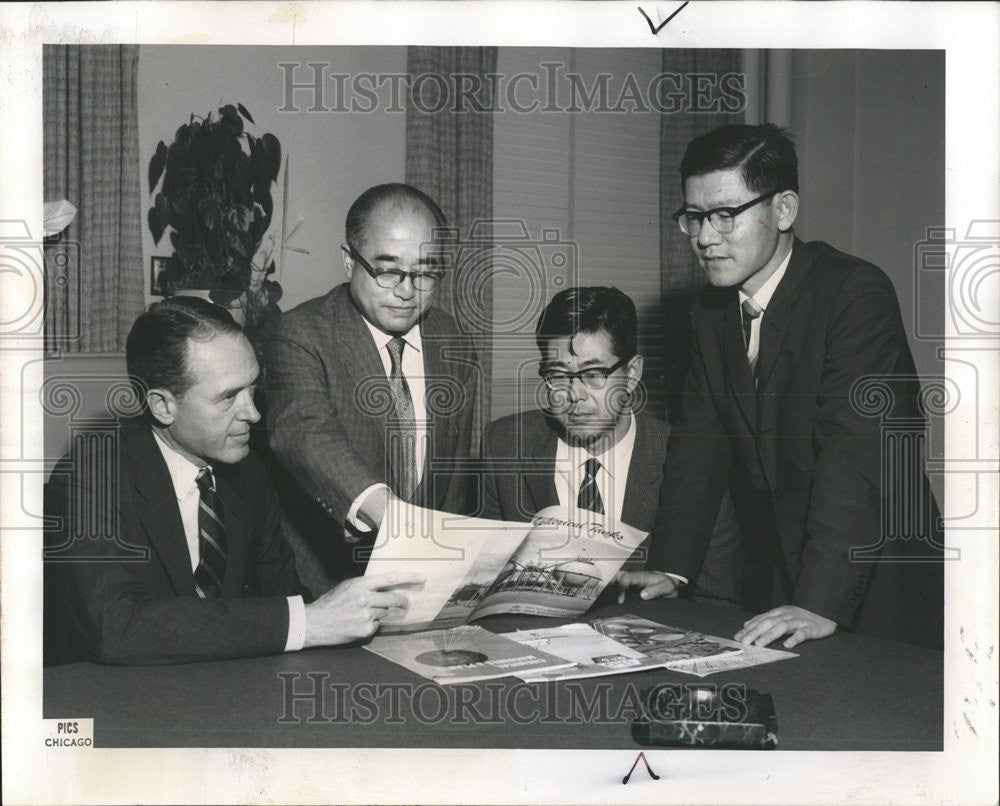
(751, 310)
(211, 538)
(402, 436)
(590, 496)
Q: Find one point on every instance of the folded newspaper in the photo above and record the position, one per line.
(552, 566)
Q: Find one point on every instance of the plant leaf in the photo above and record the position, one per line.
(155, 225)
(243, 111)
(272, 148)
(157, 164)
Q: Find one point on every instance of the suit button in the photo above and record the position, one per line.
(247, 587)
(776, 493)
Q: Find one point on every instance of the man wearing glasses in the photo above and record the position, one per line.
(370, 385)
(781, 333)
(587, 450)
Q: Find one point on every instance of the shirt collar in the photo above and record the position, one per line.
(766, 291)
(411, 337)
(183, 471)
(616, 456)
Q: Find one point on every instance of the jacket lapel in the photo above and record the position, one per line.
(539, 475)
(778, 315)
(236, 529)
(736, 362)
(642, 487)
(156, 507)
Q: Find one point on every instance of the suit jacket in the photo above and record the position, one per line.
(329, 404)
(520, 453)
(804, 461)
(128, 597)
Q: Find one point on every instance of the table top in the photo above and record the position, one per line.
(845, 692)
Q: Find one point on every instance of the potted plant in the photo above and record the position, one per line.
(215, 198)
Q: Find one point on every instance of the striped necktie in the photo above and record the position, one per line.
(402, 436)
(590, 496)
(211, 568)
(751, 310)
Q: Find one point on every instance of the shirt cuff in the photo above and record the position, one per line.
(678, 577)
(352, 513)
(296, 624)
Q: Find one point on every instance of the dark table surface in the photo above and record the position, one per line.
(846, 692)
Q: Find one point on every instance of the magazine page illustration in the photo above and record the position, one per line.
(551, 566)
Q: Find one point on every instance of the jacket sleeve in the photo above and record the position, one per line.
(865, 337)
(311, 437)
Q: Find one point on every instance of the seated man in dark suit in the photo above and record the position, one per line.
(588, 449)
(784, 333)
(166, 544)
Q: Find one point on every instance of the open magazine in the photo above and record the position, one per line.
(551, 566)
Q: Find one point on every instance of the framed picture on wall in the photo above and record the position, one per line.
(157, 266)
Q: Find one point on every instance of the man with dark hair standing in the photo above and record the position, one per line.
(782, 332)
(370, 385)
(587, 450)
(189, 564)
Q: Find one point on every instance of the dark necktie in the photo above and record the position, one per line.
(211, 539)
(402, 436)
(751, 310)
(590, 496)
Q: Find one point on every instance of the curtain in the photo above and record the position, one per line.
(680, 275)
(449, 156)
(91, 157)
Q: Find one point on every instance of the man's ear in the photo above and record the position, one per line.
(162, 405)
(348, 260)
(786, 208)
(634, 369)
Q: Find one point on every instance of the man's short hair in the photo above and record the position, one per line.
(588, 310)
(764, 154)
(392, 193)
(156, 352)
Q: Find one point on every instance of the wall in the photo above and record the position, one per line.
(333, 156)
(591, 179)
(870, 131)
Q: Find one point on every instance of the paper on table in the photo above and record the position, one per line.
(745, 657)
(594, 654)
(666, 644)
(461, 654)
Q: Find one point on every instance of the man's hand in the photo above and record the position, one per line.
(352, 610)
(770, 626)
(653, 584)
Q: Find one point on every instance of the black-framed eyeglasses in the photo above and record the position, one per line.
(390, 278)
(722, 219)
(591, 377)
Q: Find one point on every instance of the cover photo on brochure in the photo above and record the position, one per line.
(475, 567)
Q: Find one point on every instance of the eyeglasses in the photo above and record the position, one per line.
(722, 219)
(390, 278)
(591, 377)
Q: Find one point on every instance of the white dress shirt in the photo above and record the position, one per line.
(184, 474)
(413, 371)
(611, 479)
(762, 298)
